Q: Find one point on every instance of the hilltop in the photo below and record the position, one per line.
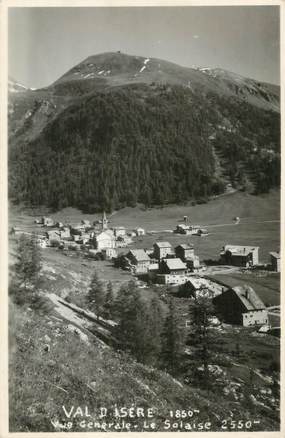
(115, 69)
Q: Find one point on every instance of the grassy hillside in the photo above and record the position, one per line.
(72, 367)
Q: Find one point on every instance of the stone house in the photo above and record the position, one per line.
(162, 250)
(241, 305)
(173, 266)
(140, 260)
(237, 255)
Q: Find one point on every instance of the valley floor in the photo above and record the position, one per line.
(66, 354)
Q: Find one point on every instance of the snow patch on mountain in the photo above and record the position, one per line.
(16, 87)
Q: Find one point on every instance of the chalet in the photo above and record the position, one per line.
(140, 259)
(173, 266)
(162, 250)
(131, 233)
(64, 233)
(119, 231)
(104, 240)
(76, 237)
(85, 223)
(47, 221)
(182, 229)
(109, 253)
(184, 252)
(139, 231)
(76, 230)
(198, 286)
(123, 241)
(84, 238)
(153, 270)
(53, 235)
(171, 279)
(244, 256)
(275, 261)
(79, 227)
(241, 305)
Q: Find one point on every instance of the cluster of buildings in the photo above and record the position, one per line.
(247, 257)
(95, 238)
(163, 264)
(189, 229)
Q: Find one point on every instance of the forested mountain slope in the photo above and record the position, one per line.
(118, 136)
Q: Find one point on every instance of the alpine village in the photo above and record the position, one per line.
(144, 250)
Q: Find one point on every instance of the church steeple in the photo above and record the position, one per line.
(104, 221)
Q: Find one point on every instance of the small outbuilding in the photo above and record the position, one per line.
(275, 261)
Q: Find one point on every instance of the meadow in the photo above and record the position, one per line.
(259, 222)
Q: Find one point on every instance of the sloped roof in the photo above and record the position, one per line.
(163, 244)
(140, 255)
(239, 250)
(198, 283)
(185, 246)
(275, 254)
(104, 235)
(175, 263)
(248, 297)
(183, 226)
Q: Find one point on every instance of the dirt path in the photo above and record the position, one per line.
(83, 320)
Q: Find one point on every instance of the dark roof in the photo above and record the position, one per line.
(185, 246)
(248, 297)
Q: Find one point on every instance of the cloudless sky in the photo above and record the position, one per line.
(45, 42)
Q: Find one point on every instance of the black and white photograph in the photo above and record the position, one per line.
(143, 218)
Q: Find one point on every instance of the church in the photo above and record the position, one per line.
(105, 238)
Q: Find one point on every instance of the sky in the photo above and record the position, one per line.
(45, 42)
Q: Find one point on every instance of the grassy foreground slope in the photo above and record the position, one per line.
(79, 371)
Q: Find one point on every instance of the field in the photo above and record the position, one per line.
(267, 286)
(259, 222)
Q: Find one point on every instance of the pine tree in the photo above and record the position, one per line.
(171, 341)
(200, 337)
(154, 326)
(28, 265)
(122, 310)
(96, 295)
(109, 301)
